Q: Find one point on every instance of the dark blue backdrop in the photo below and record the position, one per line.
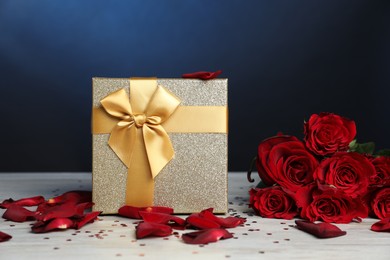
(284, 60)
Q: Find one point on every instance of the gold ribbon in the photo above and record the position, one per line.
(138, 131)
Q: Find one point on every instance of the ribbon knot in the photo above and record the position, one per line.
(140, 121)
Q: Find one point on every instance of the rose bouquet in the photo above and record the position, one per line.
(326, 177)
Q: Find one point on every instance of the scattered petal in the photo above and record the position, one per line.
(228, 222)
(77, 196)
(206, 236)
(198, 221)
(381, 226)
(202, 75)
(80, 208)
(133, 212)
(18, 214)
(161, 218)
(88, 218)
(43, 207)
(150, 229)
(320, 230)
(65, 210)
(55, 224)
(4, 237)
(25, 202)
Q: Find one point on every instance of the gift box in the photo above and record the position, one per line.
(159, 142)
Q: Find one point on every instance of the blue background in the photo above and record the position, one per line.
(284, 60)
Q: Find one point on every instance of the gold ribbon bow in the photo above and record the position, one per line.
(138, 138)
(123, 136)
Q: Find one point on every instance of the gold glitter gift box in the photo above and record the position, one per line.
(159, 142)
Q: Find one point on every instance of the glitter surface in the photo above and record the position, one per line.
(195, 179)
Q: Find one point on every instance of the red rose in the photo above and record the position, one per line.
(349, 172)
(329, 205)
(380, 203)
(382, 171)
(272, 202)
(286, 161)
(328, 133)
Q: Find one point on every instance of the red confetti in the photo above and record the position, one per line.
(18, 214)
(4, 237)
(133, 212)
(202, 75)
(25, 202)
(320, 230)
(206, 236)
(150, 229)
(381, 226)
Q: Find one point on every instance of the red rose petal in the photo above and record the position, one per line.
(228, 222)
(88, 218)
(206, 236)
(65, 210)
(202, 75)
(18, 214)
(150, 229)
(320, 230)
(198, 221)
(80, 208)
(77, 196)
(43, 207)
(25, 202)
(161, 218)
(55, 224)
(381, 226)
(4, 237)
(133, 212)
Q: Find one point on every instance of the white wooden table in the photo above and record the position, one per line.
(113, 237)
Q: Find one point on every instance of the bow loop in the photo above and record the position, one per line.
(117, 104)
(162, 104)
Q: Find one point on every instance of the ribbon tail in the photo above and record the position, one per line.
(122, 140)
(158, 146)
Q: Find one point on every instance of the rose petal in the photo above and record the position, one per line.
(228, 222)
(320, 230)
(55, 224)
(88, 218)
(77, 196)
(18, 214)
(65, 210)
(43, 207)
(80, 208)
(198, 221)
(202, 75)
(4, 237)
(206, 236)
(25, 202)
(150, 229)
(161, 218)
(133, 212)
(381, 226)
